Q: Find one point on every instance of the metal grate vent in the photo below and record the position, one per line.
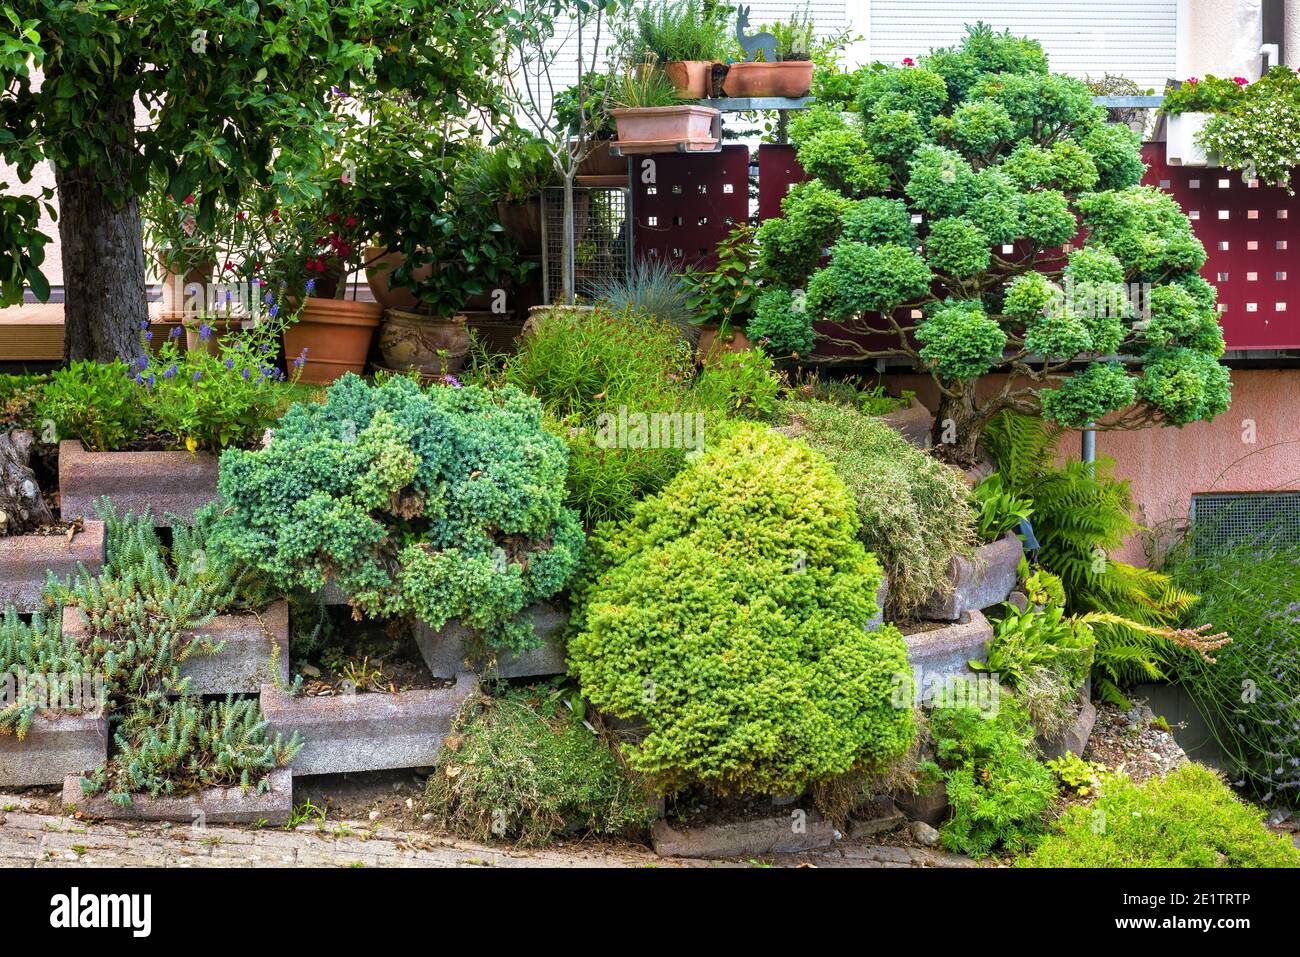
(1221, 522)
(602, 239)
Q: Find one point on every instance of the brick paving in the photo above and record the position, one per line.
(32, 837)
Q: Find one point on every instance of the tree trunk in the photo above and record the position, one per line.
(103, 257)
(568, 268)
(21, 506)
(957, 426)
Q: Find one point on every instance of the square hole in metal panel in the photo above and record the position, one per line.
(1279, 307)
(1252, 184)
(677, 253)
(702, 188)
(1224, 183)
(1193, 184)
(1193, 214)
(702, 221)
(1280, 244)
(652, 220)
(1252, 214)
(1223, 245)
(1281, 214)
(728, 188)
(1223, 214)
(1252, 307)
(1252, 245)
(678, 221)
(652, 190)
(1221, 277)
(677, 189)
(1164, 184)
(1008, 249)
(1252, 276)
(1280, 275)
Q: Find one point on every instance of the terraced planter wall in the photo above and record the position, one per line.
(941, 655)
(168, 483)
(914, 423)
(249, 645)
(210, 806)
(1074, 737)
(27, 560)
(978, 582)
(367, 732)
(447, 650)
(55, 746)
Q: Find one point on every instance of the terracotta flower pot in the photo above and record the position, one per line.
(411, 340)
(176, 288)
(599, 162)
(690, 77)
(711, 345)
(336, 334)
(219, 330)
(791, 78)
(379, 269)
(659, 128)
(523, 224)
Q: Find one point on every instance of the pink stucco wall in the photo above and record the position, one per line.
(1253, 447)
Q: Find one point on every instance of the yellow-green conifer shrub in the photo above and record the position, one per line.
(728, 615)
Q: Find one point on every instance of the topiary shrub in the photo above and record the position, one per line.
(728, 616)
(1190, 818)
(522, 767)
(440, 503)
(945, 211)
(912, 508)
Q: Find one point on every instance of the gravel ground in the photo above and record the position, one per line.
(1127, 741)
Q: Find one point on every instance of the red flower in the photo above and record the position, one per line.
(352, 221)
(908, 61)
(332, 218)
(1192, 81)
(256, 266)
(242, 214)
(189, 199)
(1240, 81)
(275, 215)
(229, 264)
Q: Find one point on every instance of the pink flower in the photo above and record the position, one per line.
(189, 199)
(908, 61)
(1240, 81)
(1192, 81)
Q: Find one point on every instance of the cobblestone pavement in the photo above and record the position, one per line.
(32, 837)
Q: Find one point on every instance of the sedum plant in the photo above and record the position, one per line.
(947, 211)
(1259, 132)
(441, 503)
(728, 617)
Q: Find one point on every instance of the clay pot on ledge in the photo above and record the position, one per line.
(599, 162)
(219, 330)
(427, 344)
(176, 289)
(522, 222)
(336, 334)
(667, 128)
(712, 345)
(690, 77)
(788, 78)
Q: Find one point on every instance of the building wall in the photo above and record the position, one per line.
(1253, 447)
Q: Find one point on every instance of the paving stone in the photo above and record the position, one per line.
(978, 582)
(242, 666)
(26, 562)
(769, 835)
(55, 746)
(367, 732)
(216, 805)
(167, 483)
(446, 650)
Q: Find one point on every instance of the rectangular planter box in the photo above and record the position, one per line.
(446, 654)
(1181, 148)
(211, 806)
(686, 128)
(241, 666)
(27, 560)
(56, 745)
(168, 483)
(367, 732)
(943, 654)
(773, 835)
(977, 582)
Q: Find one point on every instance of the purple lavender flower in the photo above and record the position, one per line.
(174, 333)
(198, 374)
(247, 375)
(264, 349)
(144, 323)
(230, 363)
(311, 285)
(139, 377)
(151, 380)
(205, 331)
(275, 310)
(269, 299)
(452, 381)
(148, 336)
(171, 371)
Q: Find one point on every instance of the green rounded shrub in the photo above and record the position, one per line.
(440, 503)
(782, 325)
(728, 617)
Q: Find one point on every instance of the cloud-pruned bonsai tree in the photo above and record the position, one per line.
(944, 227)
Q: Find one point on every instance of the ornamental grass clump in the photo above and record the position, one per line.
(912, 507)
(439, 503)
(728, 617)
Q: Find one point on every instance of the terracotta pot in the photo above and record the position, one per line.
(220, 331)
(598, 162)
(660, 128)
(791, 78)
(379, 268)
(412, 340)
(711, 345)
(690, 77)
(175, 288)
(336, 334)
(523, 224)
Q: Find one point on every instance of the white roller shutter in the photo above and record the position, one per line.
(1133, 38)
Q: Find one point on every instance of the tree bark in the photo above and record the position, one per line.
(21, 506)
(103, 256)
(957, 426)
